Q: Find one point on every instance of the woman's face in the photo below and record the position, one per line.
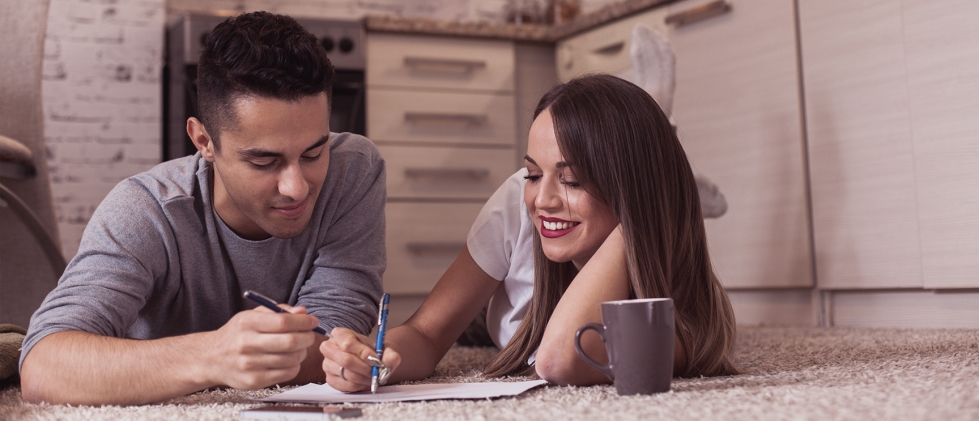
(572, 224)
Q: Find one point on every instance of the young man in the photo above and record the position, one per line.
(151, 307)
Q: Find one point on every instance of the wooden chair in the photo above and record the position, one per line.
(30, 259)
(16, 163)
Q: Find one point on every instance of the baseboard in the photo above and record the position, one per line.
(906, 309)
(775, 307)
(810, 307)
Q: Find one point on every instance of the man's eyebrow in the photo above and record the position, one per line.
(261, 153)
(318, 143)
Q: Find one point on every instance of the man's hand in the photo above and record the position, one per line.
(259, 348)
(350, 350)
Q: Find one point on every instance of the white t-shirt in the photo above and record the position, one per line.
(501, 241)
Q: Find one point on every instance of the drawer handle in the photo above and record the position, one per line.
(443, 64)
(611, 49)
(435, 174)
(432, 247)
(699, 13)
(446, 119)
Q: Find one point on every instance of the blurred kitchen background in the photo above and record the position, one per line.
(843, 133)
(103, 81)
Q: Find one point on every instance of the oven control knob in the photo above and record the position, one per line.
(327, 44)
(346, 45)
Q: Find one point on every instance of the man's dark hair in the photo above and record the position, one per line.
(258, 54)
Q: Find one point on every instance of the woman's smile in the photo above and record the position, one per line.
(556, 227)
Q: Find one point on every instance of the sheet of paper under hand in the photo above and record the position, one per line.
(323, 393)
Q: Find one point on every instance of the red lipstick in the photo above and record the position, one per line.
(554, 233)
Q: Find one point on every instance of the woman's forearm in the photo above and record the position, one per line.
(455, 301)
(604, 278)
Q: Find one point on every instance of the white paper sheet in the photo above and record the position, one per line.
(323, 393)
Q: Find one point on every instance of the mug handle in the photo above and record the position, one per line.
(600, 330)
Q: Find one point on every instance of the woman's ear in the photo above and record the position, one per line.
(202, 140)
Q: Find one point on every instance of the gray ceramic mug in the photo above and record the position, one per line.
(639, 338)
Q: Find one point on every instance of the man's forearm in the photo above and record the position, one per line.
(83, 368)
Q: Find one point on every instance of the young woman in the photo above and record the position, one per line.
(606, 209)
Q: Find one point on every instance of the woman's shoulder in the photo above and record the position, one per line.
(511, 191)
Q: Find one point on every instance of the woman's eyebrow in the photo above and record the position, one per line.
(559, 164)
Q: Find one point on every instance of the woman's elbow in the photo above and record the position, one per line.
(561, 368)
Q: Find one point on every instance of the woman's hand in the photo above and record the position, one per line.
(345, 360)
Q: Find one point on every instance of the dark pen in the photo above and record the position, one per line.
(272, 305)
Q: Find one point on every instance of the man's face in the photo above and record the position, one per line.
(271, 165)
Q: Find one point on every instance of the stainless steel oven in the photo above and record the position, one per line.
(342, 39)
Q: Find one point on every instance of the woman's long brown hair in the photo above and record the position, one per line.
(625, 153)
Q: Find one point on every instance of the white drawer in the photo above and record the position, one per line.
(446, 172)
(439, 62)
(422, 241)
(441, 117)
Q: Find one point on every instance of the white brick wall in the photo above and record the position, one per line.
(101, 89)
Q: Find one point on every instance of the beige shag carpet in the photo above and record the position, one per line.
(790, 373)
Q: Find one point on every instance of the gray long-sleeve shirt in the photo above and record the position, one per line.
(155, 259)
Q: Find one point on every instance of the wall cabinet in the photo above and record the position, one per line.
(892, 95)
(442, 113)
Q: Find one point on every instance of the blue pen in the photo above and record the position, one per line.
(272, 305)
(382, 322)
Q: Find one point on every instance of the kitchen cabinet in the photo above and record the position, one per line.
(942, 48)
(442, 113)
(738, 112)
(891, 94)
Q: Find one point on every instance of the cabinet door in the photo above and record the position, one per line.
(862, 167)
(429, 62)
(418, 172)
(738, 115)
(942, 48)
(423, 239)
(449, 117)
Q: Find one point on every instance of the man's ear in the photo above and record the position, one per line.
(202, 140)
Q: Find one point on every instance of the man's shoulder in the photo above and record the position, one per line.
(169, 180)
(351, 146)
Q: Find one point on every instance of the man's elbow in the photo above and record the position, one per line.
(32, 387)
(39, 381)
